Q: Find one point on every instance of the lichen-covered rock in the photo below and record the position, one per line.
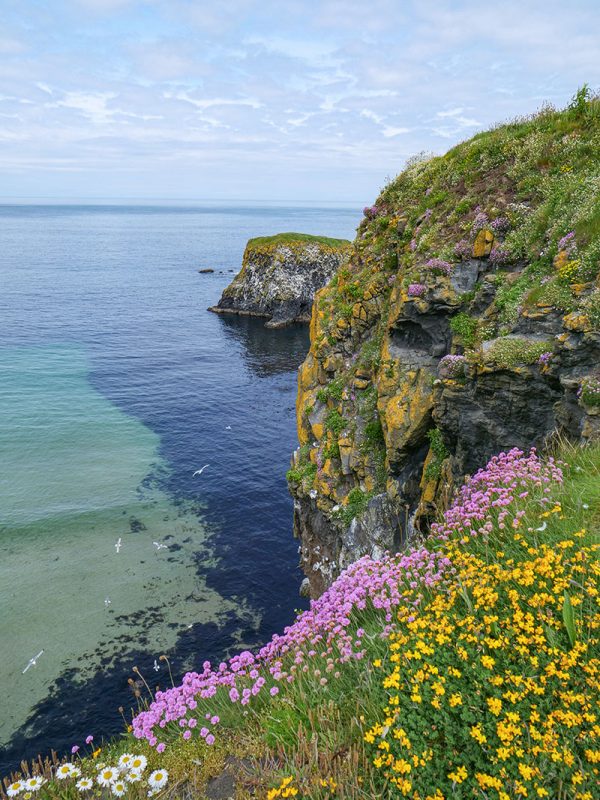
(460, 327)
(280, 275)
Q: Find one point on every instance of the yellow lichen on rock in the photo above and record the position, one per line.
(483, 244)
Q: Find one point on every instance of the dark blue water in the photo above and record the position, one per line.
(121, 285)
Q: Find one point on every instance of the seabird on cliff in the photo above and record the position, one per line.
(200, 471)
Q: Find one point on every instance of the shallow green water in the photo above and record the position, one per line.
(75, 477)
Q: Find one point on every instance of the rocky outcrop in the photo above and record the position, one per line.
(423, 366)
(280, 275)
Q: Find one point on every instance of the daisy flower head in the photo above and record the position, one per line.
(133, 776)
(107, 776)
(15, 788)
(125, 761)
(138, 762)
(118, 788)
(65, 771)
(84, 784)
(158, 779)
(34, 784)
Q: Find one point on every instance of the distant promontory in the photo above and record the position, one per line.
(280, 275)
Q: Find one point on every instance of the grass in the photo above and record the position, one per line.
(295, 238)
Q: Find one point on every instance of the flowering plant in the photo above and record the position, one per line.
(439, 266)
(416, 289)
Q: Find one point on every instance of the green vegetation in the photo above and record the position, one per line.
(511, 351)
(302, 475)
(357, 503)
(333, 390)
(465, 327)
(335, 423)
(295, 238)
(439, 452)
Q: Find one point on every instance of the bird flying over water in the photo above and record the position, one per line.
(156, 666)
(227, 427)
(32, 662)
(118, 545)
(200, 471)
(107, 601)
(160, 546)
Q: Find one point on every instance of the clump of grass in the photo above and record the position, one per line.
(439, 452)
(465, 327)
(511, 351)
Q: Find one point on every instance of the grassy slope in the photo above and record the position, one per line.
(538, 179)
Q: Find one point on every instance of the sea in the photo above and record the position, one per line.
(116, 387)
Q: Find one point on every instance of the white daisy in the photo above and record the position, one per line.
(133, 776)
(158, 779)
(34, 784)
(15, 788)
(138, 762)
(65, 771)
(84, 784)
(75, 772)
(107, 776)
(125, 761)
(118, 788)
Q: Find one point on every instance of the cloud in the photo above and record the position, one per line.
(338, 90)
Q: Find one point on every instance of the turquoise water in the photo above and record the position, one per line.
(115, 386)
(80, 516)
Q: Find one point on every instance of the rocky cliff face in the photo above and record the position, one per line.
(465, 323)
(280, 275)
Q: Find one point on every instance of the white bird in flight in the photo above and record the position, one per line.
(118, 545)
(156, 666)
(107, 601)
(32, 662)
(227, 427)
(160, 546)
(200, 471)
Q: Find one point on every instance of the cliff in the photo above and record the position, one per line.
(280, 275)
(465, 323)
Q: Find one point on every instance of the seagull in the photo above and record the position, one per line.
(32, 662)
(118, 545)
(227, 427)
(160, 546)
(107, 601)
(156, 666)
(200, 471)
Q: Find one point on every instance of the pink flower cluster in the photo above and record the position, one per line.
(452, 366)
(324, 636)
(499, 256)
(416, 289)
(439, 266)
(463, 249)
(485, 501)
(481, 220)
(568, 243)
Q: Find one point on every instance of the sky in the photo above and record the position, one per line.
(268, 101)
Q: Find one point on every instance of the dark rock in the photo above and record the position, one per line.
(205, 271)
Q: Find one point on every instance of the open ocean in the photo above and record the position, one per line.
(116, 384)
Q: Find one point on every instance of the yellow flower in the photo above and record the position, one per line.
(459, 775)
(495, 705)
(488, 662)
(477, 734)
(455, 700)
